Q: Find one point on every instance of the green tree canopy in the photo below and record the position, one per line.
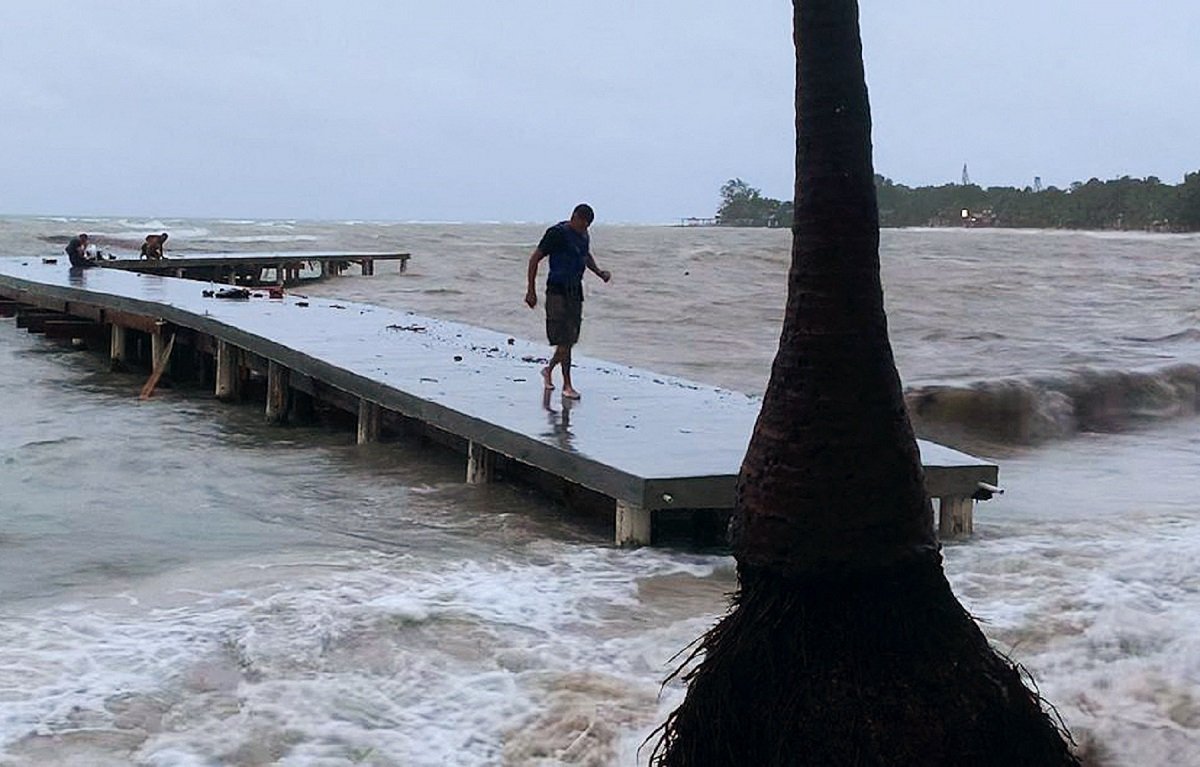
(744, 205)
(1121, 203)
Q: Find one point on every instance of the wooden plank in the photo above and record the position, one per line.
(87, 311)
(49, 303)
(34, 320)
(146, 323)
(161, 360)
(66, 329)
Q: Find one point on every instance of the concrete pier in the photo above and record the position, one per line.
(652, 444)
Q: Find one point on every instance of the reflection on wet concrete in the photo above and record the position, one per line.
(559, 420)
(77, 276)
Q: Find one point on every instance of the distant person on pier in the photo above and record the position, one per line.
(569, 249)
(77, 251)
(152, 248)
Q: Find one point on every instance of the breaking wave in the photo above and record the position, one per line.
(1047, 408)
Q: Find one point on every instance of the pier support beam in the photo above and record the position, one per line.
(633, 525)
(303, 407)
(956, 516)
(481, 464)
(118, 348)
(368, 267)
(368, 422)
(228, 371)
(277, 393)
(157, 345)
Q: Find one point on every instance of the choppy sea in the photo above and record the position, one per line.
(181, 585)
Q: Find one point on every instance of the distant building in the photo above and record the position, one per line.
(978, 219)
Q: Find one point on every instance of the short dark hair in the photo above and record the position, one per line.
(584, 211)
(82, 236)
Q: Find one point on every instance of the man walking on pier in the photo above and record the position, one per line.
(569, 249)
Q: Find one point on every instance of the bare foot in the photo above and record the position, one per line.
(546, 374)
(570, 393)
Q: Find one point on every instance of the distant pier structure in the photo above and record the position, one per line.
(247, 268)
(698, 221)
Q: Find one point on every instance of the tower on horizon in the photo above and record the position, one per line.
(966, 178)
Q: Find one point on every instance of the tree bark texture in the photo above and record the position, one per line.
(833, 478)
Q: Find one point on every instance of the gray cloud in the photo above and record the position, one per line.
(516, 110)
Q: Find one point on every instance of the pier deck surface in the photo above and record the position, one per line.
(640, 437)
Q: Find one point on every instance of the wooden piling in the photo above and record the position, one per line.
(303, 407)
(481, 464)
(157, 345)
(956, 516)
(634, 525)
(368, 422)
(277, 393)
(228, 371)
(118, 348)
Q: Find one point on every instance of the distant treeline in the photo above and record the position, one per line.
(1122, 203)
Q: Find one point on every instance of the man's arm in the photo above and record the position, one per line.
(603, 274)
(535, 258)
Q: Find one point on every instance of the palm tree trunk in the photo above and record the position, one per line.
(844, 643)
(833, 478)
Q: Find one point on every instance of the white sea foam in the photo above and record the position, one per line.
(386, 656)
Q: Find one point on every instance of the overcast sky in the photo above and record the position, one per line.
(514, 110)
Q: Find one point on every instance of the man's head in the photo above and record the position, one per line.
(163, 237)
(83, 238)
(582, 217)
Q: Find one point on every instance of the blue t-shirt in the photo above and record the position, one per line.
(568, 251)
